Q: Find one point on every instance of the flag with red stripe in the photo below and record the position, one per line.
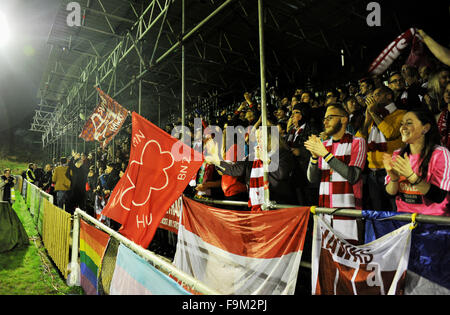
(242, 252)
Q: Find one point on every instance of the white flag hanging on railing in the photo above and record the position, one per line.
(376, 268)
(242, 252)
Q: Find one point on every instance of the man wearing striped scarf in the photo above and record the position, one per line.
(382, 131)
(338, 163)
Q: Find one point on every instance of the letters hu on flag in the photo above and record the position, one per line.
(154, 179)
(105, 122)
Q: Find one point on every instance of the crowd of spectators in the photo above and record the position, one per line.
(83, 180)
(378, 143)
(373, 110)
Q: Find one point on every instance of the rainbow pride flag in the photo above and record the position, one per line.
(93, 244)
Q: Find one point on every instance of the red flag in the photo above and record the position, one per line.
(156, 176)
(105, 122)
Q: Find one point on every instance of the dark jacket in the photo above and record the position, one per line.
(298, 142)
(356, 121)
(5, 187)
(78, 178)
(282, 181)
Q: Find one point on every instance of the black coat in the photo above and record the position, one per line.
(78, 178)
(282, 182)
(305, 155)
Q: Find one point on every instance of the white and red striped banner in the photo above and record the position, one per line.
(171, 219)
(340, 268)
(242, 252)
(391, 52)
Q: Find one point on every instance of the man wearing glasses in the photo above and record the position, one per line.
(337, 163)
(397, 84)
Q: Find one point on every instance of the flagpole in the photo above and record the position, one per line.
(146, 254)
(262, 66)
(183, 78)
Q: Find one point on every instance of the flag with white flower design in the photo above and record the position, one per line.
(159, 169)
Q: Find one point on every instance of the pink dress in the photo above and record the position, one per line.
(409, 199)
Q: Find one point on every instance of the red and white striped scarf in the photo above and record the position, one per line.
(256, 187)
(294, 133)
(444, 130)
(336, 192)
(377, 141)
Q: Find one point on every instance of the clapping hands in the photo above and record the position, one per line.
(315, 146)
(212, 152)
(401, 166)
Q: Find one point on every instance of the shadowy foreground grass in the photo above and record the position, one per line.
(28, 270)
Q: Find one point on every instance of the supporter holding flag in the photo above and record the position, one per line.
(282, 176)
(156, 176)
(419, 173)
(233, 187)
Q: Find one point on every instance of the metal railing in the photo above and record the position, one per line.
(401, 216)
(152, 258)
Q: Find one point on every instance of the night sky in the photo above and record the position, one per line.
(22, 62)
(24, 59)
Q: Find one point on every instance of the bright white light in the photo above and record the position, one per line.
(4, 30)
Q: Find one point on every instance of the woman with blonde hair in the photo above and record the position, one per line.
(436, 86)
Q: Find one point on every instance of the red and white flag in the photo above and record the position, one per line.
(105, 122)
(242, 252)
(156, 176)
(376, 268)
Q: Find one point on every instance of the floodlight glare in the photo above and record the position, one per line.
(4, 30)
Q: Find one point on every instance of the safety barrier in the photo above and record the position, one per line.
(57, 225)
(150, 257)
(34, 197)
(406, 217)
(52, 223)
(56, 234)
